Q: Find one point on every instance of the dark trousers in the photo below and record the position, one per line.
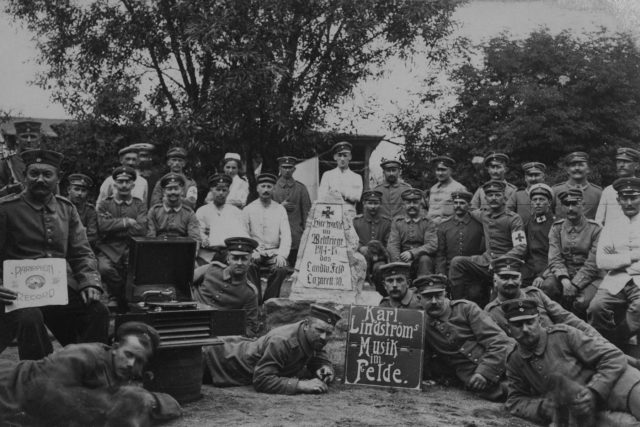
(423, 265)
(113, 276)
(77, 322)
(470, 280)
(274, 279)
(27, 327)
(616, 317)
(578, 305)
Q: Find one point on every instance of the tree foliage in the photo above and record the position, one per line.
(252, 75)
(538, 99)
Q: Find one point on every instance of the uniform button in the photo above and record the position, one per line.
(469, 354)
(475, 360)
(49, 240)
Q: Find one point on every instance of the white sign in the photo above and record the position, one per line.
(38, 282)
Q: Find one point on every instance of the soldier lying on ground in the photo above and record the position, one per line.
(274, 362)
(87, 384)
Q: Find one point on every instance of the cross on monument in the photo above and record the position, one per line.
(327, 212)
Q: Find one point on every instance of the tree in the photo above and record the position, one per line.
(251, 75)
(538, 99)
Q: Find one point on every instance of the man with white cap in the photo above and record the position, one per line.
(440, 203)
(128, 157)
(520, 200)
(391, 189)
(341, 183)
(627, 165)
(239, 190)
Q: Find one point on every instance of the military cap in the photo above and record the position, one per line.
(496, 157)
(445, 161)
(177, 152)
(325, 314)
(341, 146)
(541, 189)
(47, 157)
(576, 156)
(534, 167)
(627, 186)
(493, 186)
(240, 245)
(394, 268)
(219, 178)
(232, 156)
(506, 264)
(461, 194)
(570, 195)
(124, 172)
(411, 194)
(172, 178)
(431, 283)
(287, 161)
(519, 309)
(128, 149)
(81, 180)
(267, 178)
(142, 146)
(372, 195)
(27, 126)
(390, 163)
(628, 154)
(139, 329)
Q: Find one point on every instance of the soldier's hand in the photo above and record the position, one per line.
(325, 374)
(537, 282)
(281, 261)
(89, 295)
(477, 382)
(568, 290)
(405, 256)
(7, 296)
(585, 402)
(314, 386)
(547, 408)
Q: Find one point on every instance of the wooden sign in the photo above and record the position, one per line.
(325, 264)
(38, 282)
(385, 347)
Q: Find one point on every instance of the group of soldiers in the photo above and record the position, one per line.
(516, 285)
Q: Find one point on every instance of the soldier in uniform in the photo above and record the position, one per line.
(294, 198)
(177, 161)
(507, 280)
(119, 217)
(627, 165)
(218, 220)
(572, 276)
(171, 217)
(503, 235)
(536, 228)
(129, 158)
(79, 185)
(395, 277)
(617, 253)
(460, 235)
(520, 201)
(464, 341)
(272, 362)
(372, 228)
(440, 204)
(341, 183)
(226, 286)
(496, 166)
(577, 167)
(543, 353)
(40, 224)
(413, 238)
(391, 189)
(12, 168)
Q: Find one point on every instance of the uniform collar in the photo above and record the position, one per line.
(408, 219)
(500, 300)
(465, 219)
(372, 219)
(540, 347)
(576, 228)
(306, 347)
(404, 301)
(120, 201)
(496, 215)
(445, 314)
(285, 182)
(49, 205)
(171, 209)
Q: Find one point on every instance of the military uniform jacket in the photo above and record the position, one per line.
(369, 228)
(458, 237)
(440, 203)
(166, 221)
(391, 203)
(114, 233)
(190, 188)
(89, 219)
(295, 193)
(469, 341)
(551, 313)
(597, 363)
(520, 203)
(217, 289)
(572, 251)
(417, 235)
(270, 362)
(51, 231)
(479, 200)
(537, 231)
(591, 197)
(503, 235)
(410, 300)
